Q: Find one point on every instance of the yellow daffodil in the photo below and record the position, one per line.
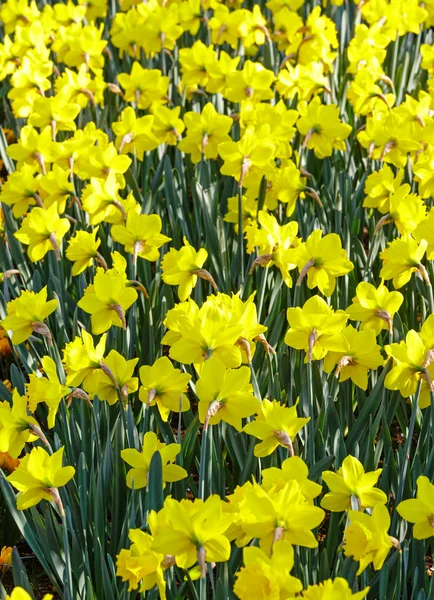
(322, 128)
(405, 210)
(388, 137)
(205, 335)
(83, 250)
(374, 307)
(194, 61)
(134, 135)
(83, 360)
(102, 201)
(268, 576)
(106, 300)
(281, 515)
(419, 510)
(366, 538)
(137, 477)
(17, 426)
(140, 565)
(423, 172)
(164, 386)
(253, 82)
(18, 593)
(412, 362)
(55, 112)
(293, 469)
(322, 259)
(225, 394)
(424, 231)
(275, 425)
(167, 126)
(275, 244)
(42, 230)
(35, 148)
(304, 80)
(333, 588)
(114, 377)
(20, 190)
(144, 86)
(401, 259)
(58, 188)
(39, 476)
(363, 354)
(47, 389)
(141, 236)
(25, 315)
(379, 186)
(252, 155)
(205, 131)
(183, 267)
(249, 211)
(192, 531)
(351, 485)
(316, 329)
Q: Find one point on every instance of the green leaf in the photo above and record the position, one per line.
(155, 483)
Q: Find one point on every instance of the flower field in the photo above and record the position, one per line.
(216, 303)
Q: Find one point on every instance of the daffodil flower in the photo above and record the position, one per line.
(141, 461)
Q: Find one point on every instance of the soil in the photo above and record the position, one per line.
(38, 579)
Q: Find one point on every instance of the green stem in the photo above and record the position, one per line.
(240, 233)
(202, 466)
(262, 292)
(430, 298)
(311, 424)
(406, 461)
(202, 589)
(69, 595)
(255, 383)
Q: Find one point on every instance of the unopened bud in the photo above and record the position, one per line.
(151, 395)
(39, 327)
(127, 139)
(138, 286)
(115, 89)
(107, 371)
(244, 344)
(385, 316)
(283, 438)
(307, 267)
(344, 362)
(168, 561)
(204, 274)
(278, 534)
(56, 499)
(120, 313)
(311, 343)
(385, 220)
(262, 340)
(262, 261)
(79, 393)
(39, 433)
(201, 559)
(55, 245)
(213, 409)
(395, 543)
(424, 273)
(124, 394)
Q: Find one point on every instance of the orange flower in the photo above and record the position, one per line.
(9, 464)
(5, 558)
